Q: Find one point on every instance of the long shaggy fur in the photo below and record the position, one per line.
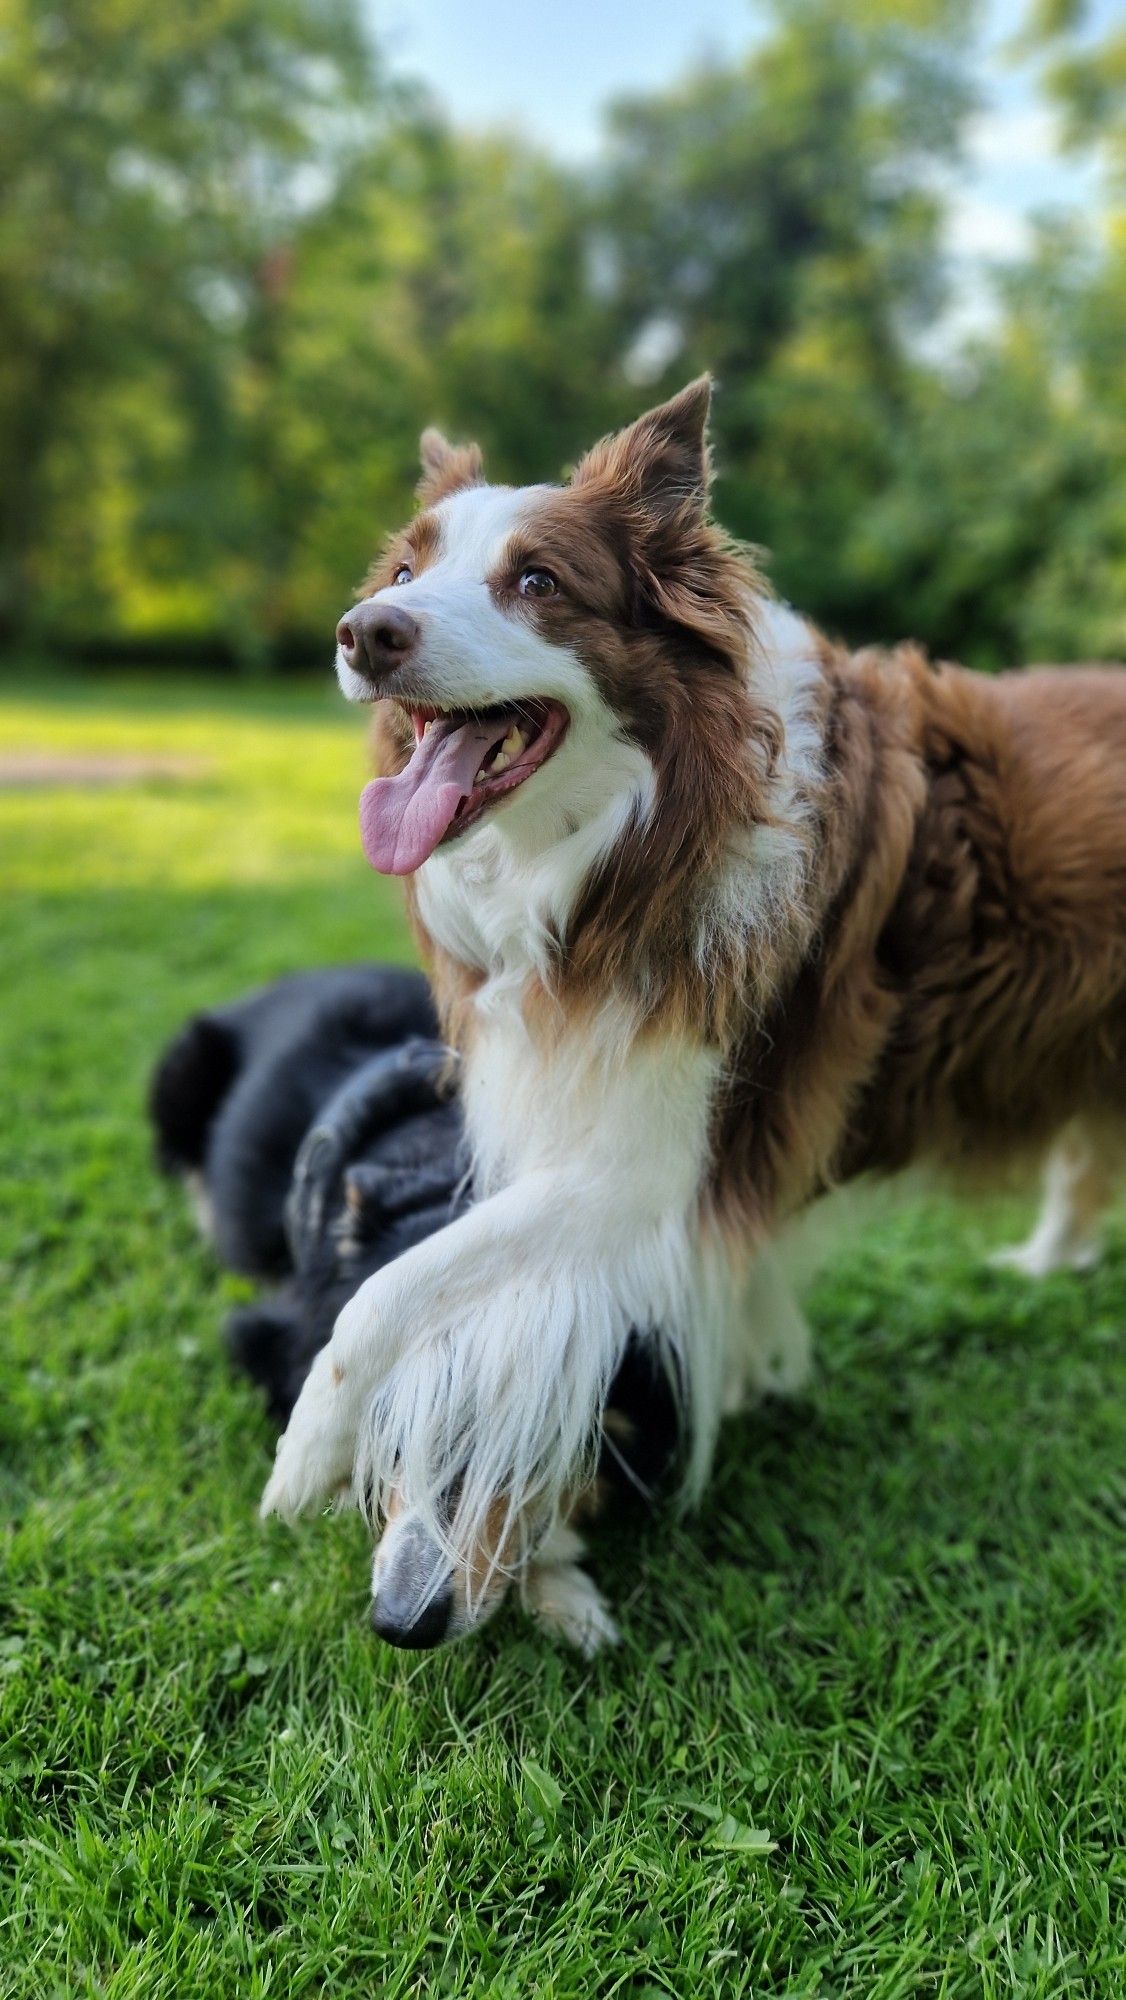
(773, 916)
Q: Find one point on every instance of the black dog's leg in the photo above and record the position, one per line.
(269, 1342)
(375, 1195)
(386, 1090)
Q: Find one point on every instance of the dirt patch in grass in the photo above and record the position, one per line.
(33, 770)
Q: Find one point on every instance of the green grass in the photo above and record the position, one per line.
(892, 1639)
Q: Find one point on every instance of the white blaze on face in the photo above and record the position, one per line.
(544, 837)
(476, 653)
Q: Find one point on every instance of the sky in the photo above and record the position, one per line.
(548, 71)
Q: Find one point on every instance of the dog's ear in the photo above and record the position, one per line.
(654, 481)
(660, 465)
(446, 467)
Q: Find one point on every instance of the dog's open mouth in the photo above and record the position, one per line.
(463, 762)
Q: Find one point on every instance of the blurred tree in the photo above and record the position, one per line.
(152, 160)
(239, 270)
(445, 282)
(1002, 535)
(779, 222)
(1085, 50)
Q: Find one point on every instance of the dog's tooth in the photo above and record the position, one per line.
(513, 742)
(501, 761)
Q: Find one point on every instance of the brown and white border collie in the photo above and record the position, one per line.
(719, 915)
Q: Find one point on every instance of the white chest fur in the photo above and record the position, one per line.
(484, 1353)
(587, 1094)
(629, 1113)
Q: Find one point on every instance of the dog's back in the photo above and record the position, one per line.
(1064, 767)
(1008, 938)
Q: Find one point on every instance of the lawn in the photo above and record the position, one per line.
(865, 1733)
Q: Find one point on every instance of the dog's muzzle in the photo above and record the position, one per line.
(375, 639)
(413, 1593)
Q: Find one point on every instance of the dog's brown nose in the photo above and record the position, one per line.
(374, 638)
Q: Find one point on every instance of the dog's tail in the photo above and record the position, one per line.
(188, 1085)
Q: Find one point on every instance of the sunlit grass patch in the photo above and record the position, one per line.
(866, 1731)
(269, 799)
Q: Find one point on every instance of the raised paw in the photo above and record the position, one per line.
(564, 1600)
(316, 1451)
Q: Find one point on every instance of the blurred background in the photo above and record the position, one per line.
(249, 247)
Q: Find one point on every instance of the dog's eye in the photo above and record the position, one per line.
(538, 583)
(404, 574)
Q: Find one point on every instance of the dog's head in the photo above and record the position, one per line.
(543, 649)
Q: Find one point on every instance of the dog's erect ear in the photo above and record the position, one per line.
(655, 480)
(661, 463)
(446, 467)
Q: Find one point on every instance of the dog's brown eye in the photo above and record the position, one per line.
(404, 574)
(538, 583)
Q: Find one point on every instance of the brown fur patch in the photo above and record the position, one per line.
(416, 545)
(446, 467)
(1006, 945)
(966, 993)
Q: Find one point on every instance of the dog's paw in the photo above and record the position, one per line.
(564, 1601)
(316, 1450)
(1038, 1260)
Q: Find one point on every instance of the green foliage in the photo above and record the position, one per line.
(239, 270)
(1086, 71)
(1006, 519)
(865, 1738)
(781, 217)
(445, 282)
(152, 161)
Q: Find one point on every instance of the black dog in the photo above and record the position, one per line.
(315, 1123)
(236, 1092)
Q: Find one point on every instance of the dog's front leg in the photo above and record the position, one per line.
(530, 1286)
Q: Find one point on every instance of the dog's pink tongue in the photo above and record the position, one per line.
(402, 819)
